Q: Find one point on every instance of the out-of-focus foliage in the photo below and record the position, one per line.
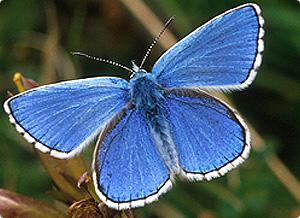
(37, 36)
(21, 206)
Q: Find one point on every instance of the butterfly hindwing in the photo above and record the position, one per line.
(210, 137)
(225, 53)
(63, 118)
(128, 169)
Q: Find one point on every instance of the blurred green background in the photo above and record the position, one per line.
(36, 37)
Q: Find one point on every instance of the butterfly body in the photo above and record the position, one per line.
(160, 123)
(149, 101)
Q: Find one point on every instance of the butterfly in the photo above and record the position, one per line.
(160, 125)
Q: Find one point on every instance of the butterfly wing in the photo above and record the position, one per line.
(210, 137)
(224, 53)
(128, 168)
(62, 118)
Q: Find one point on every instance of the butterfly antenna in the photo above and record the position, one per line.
(155, 41)
(102, 60)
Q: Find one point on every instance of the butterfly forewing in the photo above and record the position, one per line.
(64, 117)
(225, 53)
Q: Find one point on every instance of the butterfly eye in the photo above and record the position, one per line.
(143, 71)
(135, 68)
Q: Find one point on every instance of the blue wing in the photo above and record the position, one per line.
(225, 53)
(128, 168)
(210, 137)
(64, 117)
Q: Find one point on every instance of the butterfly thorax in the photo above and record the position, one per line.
(145, 91)
(148, 98)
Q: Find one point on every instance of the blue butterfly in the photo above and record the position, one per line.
(159, 125)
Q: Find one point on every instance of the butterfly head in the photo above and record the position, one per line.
(137, 72)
